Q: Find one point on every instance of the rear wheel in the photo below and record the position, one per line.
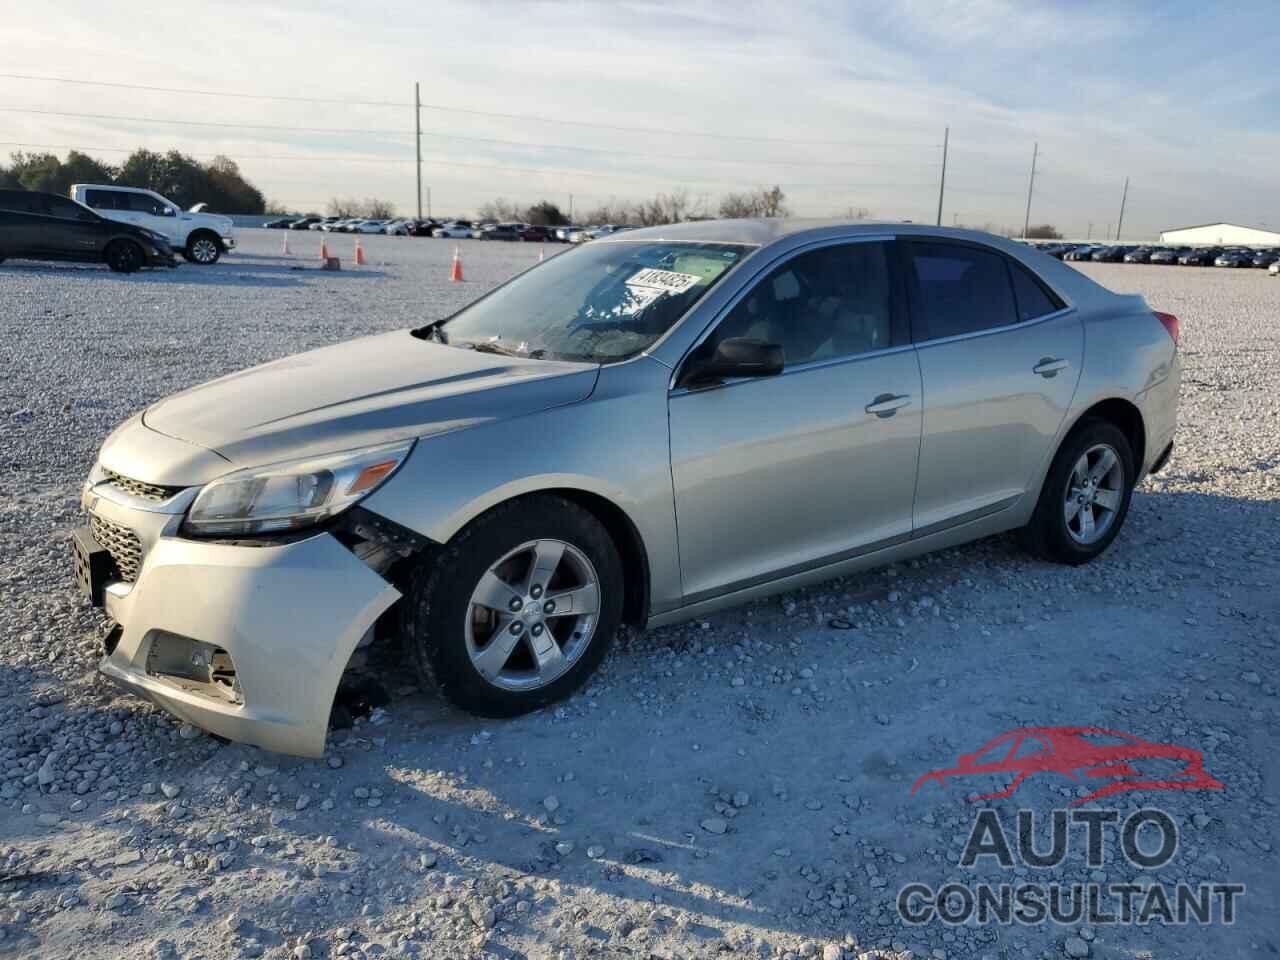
(203, 248)
(519, 609)
(1085, 497)
(124, 256)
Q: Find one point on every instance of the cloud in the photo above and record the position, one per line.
(849, 101)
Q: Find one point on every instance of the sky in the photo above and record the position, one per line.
(844, 105)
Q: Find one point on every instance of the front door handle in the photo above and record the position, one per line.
(1049, 366)
(887, 404)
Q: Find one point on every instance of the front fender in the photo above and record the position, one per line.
(613, 445)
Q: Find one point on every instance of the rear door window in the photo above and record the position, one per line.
(959, 289)
(21, 201)
(104, 199)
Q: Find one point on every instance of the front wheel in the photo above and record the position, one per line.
(203, 248)
(124, 256)
(1085, 497)
(519, 609)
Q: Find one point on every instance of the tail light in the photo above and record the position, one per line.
(1170, 324)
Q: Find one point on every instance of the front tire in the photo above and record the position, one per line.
(1085, 497)
(203, 248)
(519, 609)
(124, 256)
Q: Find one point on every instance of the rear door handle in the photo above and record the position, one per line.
(887, 404)
(1049, 367)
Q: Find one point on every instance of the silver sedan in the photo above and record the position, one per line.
(647, 428)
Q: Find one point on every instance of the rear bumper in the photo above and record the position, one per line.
(278, 622)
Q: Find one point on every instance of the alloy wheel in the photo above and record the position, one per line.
(532, 615)
(1095, 491)
(204, 250)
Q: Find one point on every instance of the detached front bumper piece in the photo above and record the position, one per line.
(247, 642)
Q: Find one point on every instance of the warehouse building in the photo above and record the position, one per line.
(1220, 235)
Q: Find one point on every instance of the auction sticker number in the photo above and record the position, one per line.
(666, 280)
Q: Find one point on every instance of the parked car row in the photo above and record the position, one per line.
(1184, 256)
(451, 229)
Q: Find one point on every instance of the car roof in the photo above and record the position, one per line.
(765, 231)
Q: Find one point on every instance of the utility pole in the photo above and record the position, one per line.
(571, 208)
(1026, 223)
(1123, 197)
(942, 182)
(1089, 235)
(428, 203)
(1108, 233)
(417, 140)
(955, 219)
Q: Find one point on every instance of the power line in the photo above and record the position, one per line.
(466, 112)
(463, 139)
(449, 162)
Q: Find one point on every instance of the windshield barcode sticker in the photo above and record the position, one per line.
(667, 280)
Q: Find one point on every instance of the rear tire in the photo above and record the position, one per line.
(1058, 531)
(203, 248)
(124, 256)
(452, 638)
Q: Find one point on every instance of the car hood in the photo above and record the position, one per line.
(361, 392)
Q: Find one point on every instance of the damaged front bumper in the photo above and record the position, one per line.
(248, 642)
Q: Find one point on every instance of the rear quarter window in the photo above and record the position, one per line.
(1032, 298)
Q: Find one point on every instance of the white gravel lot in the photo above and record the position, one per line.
(735, 787)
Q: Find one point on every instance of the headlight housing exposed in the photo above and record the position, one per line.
(293, 495)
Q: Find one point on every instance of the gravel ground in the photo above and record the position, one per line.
(737, 786)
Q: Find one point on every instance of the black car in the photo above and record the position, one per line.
(1083, 252)
(1265, 258)
(304, 224)
(1110, 254)
(422, 228)
(1138, 255)
(502, 231)
(46, 226)
(280, 224)
(1200, 257)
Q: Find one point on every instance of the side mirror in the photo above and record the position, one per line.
(169, 212)
(732, 358)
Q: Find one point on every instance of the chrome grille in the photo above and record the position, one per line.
(136, 488)
(122, 543)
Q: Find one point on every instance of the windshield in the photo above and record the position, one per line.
(601, 303)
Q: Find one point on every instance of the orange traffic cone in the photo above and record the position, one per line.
(359, 257)
(324, 248)
(456, 273)
(284, 247)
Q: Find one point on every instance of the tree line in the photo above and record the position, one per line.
(674, 207)
(183, 179)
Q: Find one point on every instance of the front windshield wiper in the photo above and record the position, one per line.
(488, 346)
(432, 331)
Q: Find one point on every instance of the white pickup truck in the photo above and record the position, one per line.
(202, 237)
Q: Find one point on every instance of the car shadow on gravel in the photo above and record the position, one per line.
(226, 273)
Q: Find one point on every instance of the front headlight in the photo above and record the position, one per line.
(292, 495)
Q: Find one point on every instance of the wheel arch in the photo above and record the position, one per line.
(203, 231)
(618, 524)
(1127, 417)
